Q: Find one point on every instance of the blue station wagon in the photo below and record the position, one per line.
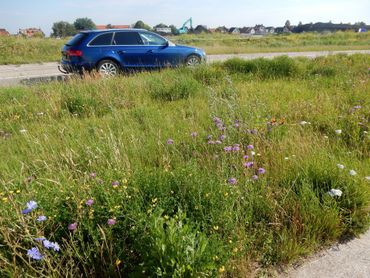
(111, 51)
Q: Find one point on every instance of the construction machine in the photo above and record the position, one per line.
(184, 29)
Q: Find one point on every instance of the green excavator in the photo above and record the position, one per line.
(184, 29)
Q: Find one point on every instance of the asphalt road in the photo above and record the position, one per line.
(348, 260)
(31, 73)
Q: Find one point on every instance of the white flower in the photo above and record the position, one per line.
(367, 178)
(340, 166)
(365, 132)
(335, 192)
(286, 158)
(326, 137)
(303, 123)
(22, 130)
(253, 153)
(352, 173)
(40, 113)
(338, 131)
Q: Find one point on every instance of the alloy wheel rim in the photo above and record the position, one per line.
(108, 69)
(193, 61)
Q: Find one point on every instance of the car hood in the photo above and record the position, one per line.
(185, 47)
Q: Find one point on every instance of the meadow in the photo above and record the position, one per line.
(15, 50)
(226, 170)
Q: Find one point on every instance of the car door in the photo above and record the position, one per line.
(162, 52)
(130, 49)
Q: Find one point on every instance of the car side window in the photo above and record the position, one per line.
(104, 39)
(127, 38)
(152, 39)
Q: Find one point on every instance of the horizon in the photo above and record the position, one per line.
(23, 14)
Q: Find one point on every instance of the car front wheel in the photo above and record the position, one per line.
(192, 61)
(108, 68)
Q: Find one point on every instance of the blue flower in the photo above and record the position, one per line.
(38, 239)
(31, 205)
(51, 245)
(35, 254)
(41, 218)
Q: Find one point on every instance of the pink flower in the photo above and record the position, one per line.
(170, 142)
(72, 226)
(89, 202)
(111, 222)
(254, 177)
(250, 147)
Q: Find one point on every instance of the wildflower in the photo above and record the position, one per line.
(35, 254)
(89, 202)
(335, 192)
(246, 157)
(118, 262)
(338, 131)
(261, 171)
(217, 120)
(352, 173)
(215, 228)
(194, 134)
(340, 166)
(170, 142)
(249, 164)
(41, 218)
(40, 239)
(111, 222)
(236, 125)
(250, 147)
(254, 177)
(367, 178)
(303, 123)
(115, 184)
(51, 245)
(222, 137)
(253, 153)
(211, 142)
(326, 137)
(232, 181)
(31, 205)
(72, 226)
(218, 142)
(357, 107)
(228, 149)
(236, 147)
(40, 113)
(93, 175)
(286, 158)
(209, 137)
(23, 130)
(221, 269)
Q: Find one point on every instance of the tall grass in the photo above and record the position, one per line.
(163, 157)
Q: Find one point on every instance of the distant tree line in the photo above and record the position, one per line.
(65, 29)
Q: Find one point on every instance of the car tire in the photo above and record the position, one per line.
(193, 61)
(108, 68)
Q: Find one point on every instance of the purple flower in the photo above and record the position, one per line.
(209, 137)
(89, 202)
(40, 239)
(170, 142)
(115, 183)
(72, 226)
(236, 147)
(218, 142)
(254, 177)
(41, 218)
(261, 171)
(232, 181)
(222, 137)
(249, 164)
(51, 245)
(250, 147)
(357, 107)
(35, 254)
(93, 175)
(111, 222)
(228, 149)
(211, 142)
(31, 205)
(246, 157)
(217, 120)
(194, 134)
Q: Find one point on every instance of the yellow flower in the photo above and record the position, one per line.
(118, 262)
(215, 228)
(67, 198)
(166, 217)
(226, 194)
(115, 186)
(5, 199)
(154, 200)
(235, 250)
(125, 181)
(207, 195)
(221, 269)
(11, 192)
(18, 191)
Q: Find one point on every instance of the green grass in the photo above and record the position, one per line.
(176, 213)
(21, 51)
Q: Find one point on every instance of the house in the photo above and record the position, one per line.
(3, 32)
(260, 29)
(163, 30)
(270, 30)
(222, 30)
(31, 32)
(234, 30)
(110, 26)
(200, 29)
(211, 30)
(247, 31)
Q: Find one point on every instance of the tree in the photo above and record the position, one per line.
(287, 24)
(141, 25)
(84, 24)
(160, 25)
(173, 29)
(63, 29)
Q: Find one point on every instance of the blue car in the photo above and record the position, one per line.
(111, 51)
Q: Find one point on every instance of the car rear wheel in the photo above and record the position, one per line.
(108, 68)
(192, 61)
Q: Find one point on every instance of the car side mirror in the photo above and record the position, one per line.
(166, 44)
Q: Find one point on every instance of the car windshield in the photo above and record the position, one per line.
(152, 39)
(76, 39)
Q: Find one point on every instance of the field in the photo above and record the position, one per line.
(225, 170)
(21, 51)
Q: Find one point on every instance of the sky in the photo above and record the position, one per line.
(17, 14)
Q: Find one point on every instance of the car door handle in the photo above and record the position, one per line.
(121, 51)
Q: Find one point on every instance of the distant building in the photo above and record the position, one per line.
(270, 30)
(110, 26)
(234, 30)
(247, 31)
(201, 29)
(222, 30)
(31, 32)
(3, 32)
(360, 30)
(163, 30)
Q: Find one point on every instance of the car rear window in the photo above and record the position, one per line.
(76, 39)
(127, 38)
(104, 39)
